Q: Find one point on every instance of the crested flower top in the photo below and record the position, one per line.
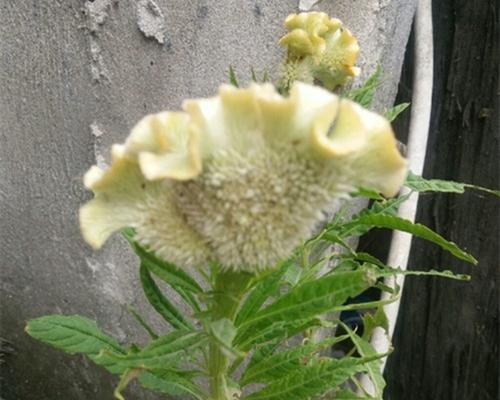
(322, 45)
(240, 178)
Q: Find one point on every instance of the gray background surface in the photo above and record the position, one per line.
(74, 77)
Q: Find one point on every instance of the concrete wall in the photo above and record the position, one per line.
(74, 77)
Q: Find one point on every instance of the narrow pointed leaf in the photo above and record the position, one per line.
(159, 302)
(259, 294)
(373, 368)
(163, 353)
(232, 77)
(166, 271)
(280, 364)
(142, 322)
(75, 335)
(309, 300)
(419, 184)
(274, 333)
(392, 113)
(309, 381)
(421, 231)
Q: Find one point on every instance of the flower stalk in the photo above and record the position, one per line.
(229, 289)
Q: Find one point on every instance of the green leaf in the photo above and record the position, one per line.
(232, 77)
(264, 289)
(261, 353)
(166, 271)
(368, 193)
(224, 332)
(354, 228)
(309, 381)
(419, 184)
(274, 333)
(374, 320)
(389, 271)
(373, 368)
(159, 302)
(364, 95)
(165, 352)
(310, 299)
(280, 364)
(293, 274)
(171, 383)
(75, 335)
(142, 322)
(392, 113)
(418, 230)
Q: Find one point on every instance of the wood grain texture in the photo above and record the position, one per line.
(446, 338)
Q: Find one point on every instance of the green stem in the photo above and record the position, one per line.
(228, 292)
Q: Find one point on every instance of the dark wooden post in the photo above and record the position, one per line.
(447, 335)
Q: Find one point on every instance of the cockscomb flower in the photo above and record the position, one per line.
(241, 178)
(323, 45)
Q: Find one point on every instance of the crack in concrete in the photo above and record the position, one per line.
(99, 151)
(97, 12)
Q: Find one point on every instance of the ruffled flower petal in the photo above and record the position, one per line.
(125, 198)
(271, 165)
(363, 143)
(307, 32)
(323, 45)
(166, 146)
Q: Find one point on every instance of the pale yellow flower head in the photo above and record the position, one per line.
(240, 178)
(323, 45)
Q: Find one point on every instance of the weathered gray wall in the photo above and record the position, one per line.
(74, 77)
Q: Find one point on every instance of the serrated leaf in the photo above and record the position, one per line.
(75, 335)
(392, 113)
(353, 228)
(262, 352)
(274, 333)
(373, 368)
(264, 289)
(389, 271)
(419, 184)
(159, 302)
(309, 300)
(142, 322)
(163, 353)
(309, 381)
(168, 272)
(280, 364)
(418, 230)
(171, 383)
(386, 270)
(232, 77)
